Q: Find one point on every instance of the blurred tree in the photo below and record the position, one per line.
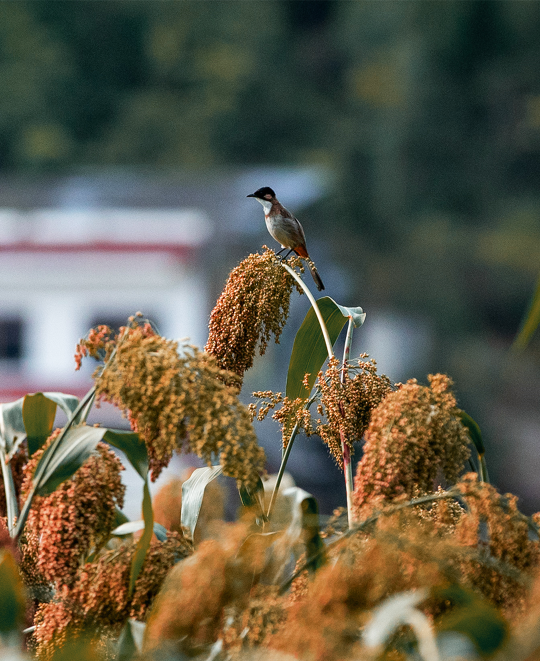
(428, 113)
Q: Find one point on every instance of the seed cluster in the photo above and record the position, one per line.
(187, 612)
(251, 626)
(414, 434)
(99, 599)
(494, 526)
(253, 306)
(77, 517)
(348, 405)
(178, 402)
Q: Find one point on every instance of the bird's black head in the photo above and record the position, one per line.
(264, 193)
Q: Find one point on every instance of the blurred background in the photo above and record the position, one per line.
(404, 134)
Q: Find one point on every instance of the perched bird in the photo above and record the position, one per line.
(285, 228)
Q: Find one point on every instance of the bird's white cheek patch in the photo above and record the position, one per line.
(266, 205)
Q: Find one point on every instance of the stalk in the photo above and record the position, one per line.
(314, 306)
(328, 343)
(484, 477)
(11, 497)
(347, 463)
(284, 461)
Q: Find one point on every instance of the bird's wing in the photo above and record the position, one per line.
(299, 228)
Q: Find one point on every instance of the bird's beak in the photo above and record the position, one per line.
(251, 195)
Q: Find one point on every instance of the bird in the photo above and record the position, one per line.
(285, 229)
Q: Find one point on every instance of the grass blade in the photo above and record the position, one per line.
(145, 539)
(131, 445)
(193, 494)
(309, 348)
(38, 413)
(304, 525)
(77, 445)
(11, 423)
(12, 506)
(68, 403)
(530, 322)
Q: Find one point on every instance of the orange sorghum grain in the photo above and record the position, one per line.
(348, 405)
(189, 608)
(414, 434)
(253, 306)
(98, 600)
(505, 537)
(75, 518)
(178, 402)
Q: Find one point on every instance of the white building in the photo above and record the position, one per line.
(63, 271)
(97, 246)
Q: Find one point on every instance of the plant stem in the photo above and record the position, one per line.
(315, 307)
(484, 477)
(281, 471)
(284, 461)
(347, 463)
(347, 472)
(11, 496)
(329, 349)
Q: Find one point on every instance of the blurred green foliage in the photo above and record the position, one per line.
(427, 113)
(12, 598)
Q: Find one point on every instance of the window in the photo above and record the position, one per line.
(11, 339)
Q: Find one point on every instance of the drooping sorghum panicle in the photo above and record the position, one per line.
(400, 553)
(442, 514)
(414, 435)
(188, 611)
(347, 406)
(218, 423)
(320, 625)
(253, 306)
(75, 518)
(55, 623)
(99, 344)
(99, 599)
(249, 626)
(494, 525)
(289, 414)
(323, 624)
(179, 401)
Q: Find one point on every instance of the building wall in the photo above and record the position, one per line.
(57, 290)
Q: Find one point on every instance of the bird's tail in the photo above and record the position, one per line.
(315, 275)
